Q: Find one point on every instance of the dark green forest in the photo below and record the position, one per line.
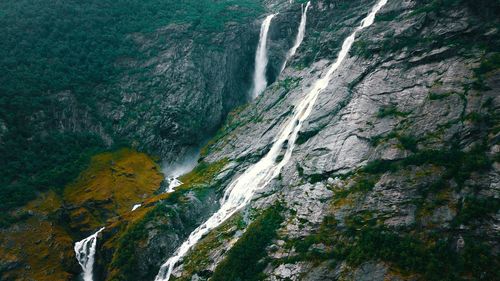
(51, 46)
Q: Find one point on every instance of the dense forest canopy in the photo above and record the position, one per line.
(52, 46)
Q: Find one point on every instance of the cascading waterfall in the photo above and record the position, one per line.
(259, 76)
(183, 165)
(173, 182)
(258, 175)
(300, 35)
(85, 253)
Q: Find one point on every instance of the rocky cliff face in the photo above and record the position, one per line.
(394, 176)
(395, 173)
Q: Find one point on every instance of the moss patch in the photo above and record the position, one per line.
(43, 249)
(110, 186)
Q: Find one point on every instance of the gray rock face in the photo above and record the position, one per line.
(174, 101)
(407, 87)
(398, 148)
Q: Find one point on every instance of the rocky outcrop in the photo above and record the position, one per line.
(394, 176)
(395, 171)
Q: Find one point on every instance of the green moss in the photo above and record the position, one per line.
(459, 164)
(435, 96)
(364, 183)
(473, 209)
(433, 258)
(409, 142)
(198, 258)
(304, 136)
(388, 16)
(390, 110)
(125, 259)
(289, 83)
(243, 260)
(202, 174)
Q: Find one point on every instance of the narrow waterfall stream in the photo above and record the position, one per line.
(300, 35)
(258, 175)
(85, 254)
(259, 76)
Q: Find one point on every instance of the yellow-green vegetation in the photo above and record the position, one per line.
(110, 186)
(44, 250)
(202, 174)
(130, 231)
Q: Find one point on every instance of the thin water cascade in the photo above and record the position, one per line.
(85, 254)
(174, 170)
(173, 182)
(300, 35)
(259, 76)
(258, 175)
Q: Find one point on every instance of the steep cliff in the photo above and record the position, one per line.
(394, 175)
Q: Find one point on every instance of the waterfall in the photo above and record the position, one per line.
(259, 76)
(258, 175)
(85, 253)
(173, 182)
(300, 35)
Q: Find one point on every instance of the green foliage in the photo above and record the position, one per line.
(364, 183)
(389, 16)
(126, 257)
(78, 46)
(51, 162)
(489, 63)
(475, 209)
(242, 261)
(459, 165)
(390, 110)
(434, 258)
(435, 96)
(435, 261)
(81, 41)
(408, 142)
(289, 83)
(483, 8)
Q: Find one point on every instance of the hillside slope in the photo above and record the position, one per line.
(395, 173)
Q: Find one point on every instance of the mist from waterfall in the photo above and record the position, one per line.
(85, 254)
(259, 76)
(173, 170)
(257, 176)
(300, 35)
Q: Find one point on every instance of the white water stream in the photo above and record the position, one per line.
(85, 254)
(259, 76)
(300, 35)
(258, 175)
